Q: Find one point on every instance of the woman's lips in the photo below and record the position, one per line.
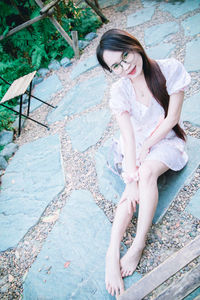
(133, 71)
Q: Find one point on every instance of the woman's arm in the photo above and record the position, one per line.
(128, 137)
(173, 117)
(130, 194)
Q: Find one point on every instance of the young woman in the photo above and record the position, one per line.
(147, 102)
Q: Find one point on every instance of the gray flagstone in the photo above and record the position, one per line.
(28, 186)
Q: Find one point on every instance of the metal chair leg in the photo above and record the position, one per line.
(20, 115)
(29, 99)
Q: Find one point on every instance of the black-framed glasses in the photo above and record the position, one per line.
(127, 57)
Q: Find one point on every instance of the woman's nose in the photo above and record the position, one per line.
(124, 65)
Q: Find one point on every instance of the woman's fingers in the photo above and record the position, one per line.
(130, 202)
(131, 206)
(135, 203)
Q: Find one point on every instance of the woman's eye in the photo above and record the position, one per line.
(125, 55)
(116, 66)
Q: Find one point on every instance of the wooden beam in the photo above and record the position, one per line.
(97, 3)
(62, 31)
(164, 271)
(183, 287)
(75, 41)
(48, 6)
(97, 10)
(22, 26)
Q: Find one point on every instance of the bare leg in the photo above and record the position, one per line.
(113, 278)
(148, 195)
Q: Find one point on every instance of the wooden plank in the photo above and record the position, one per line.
(165, 270)
(18, 87)
(75, 41)
(62, 31)
(47, 7)
(183, 287)
(22, 26)
(97, 11)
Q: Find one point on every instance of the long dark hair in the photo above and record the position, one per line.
(120, 40)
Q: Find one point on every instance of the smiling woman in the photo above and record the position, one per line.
(147, 102)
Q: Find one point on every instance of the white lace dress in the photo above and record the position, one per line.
(171, 149)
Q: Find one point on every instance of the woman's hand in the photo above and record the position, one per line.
(131, 196)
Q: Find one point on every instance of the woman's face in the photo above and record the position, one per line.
(124, 64)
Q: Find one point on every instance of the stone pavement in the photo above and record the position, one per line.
(71, 263)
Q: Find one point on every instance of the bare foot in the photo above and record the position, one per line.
(130, 260)
(113, 278)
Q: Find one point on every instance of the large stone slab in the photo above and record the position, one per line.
(158, 33)
(178, 9)
(191, 25)
(192, 61)
(111, 185)
(85, 131)
(80, 238)
(140, 17)
(32, 180)
(82, 96)
(6, 137)
(161, 51)
(108, 3)
(193, 206)
(45, 90)
(84, 66)
(191, 109)
(149, 3)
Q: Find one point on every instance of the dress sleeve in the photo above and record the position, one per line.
(119, 100)
(177, 78)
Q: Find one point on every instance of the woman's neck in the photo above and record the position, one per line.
(139, 80)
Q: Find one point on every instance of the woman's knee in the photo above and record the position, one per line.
(147, 174)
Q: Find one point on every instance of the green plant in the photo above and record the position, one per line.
(7, 117)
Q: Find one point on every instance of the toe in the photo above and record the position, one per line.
(123, 274)
(117, 292)
(126, 274)
(130, 272)
(122, 288)
(109, 289)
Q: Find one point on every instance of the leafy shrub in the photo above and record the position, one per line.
(7, 117)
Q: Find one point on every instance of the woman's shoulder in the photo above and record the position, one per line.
(177, 78)
(169, 65)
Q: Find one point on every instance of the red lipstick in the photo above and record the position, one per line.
(133, 71)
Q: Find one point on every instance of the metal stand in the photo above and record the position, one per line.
(28, 109)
